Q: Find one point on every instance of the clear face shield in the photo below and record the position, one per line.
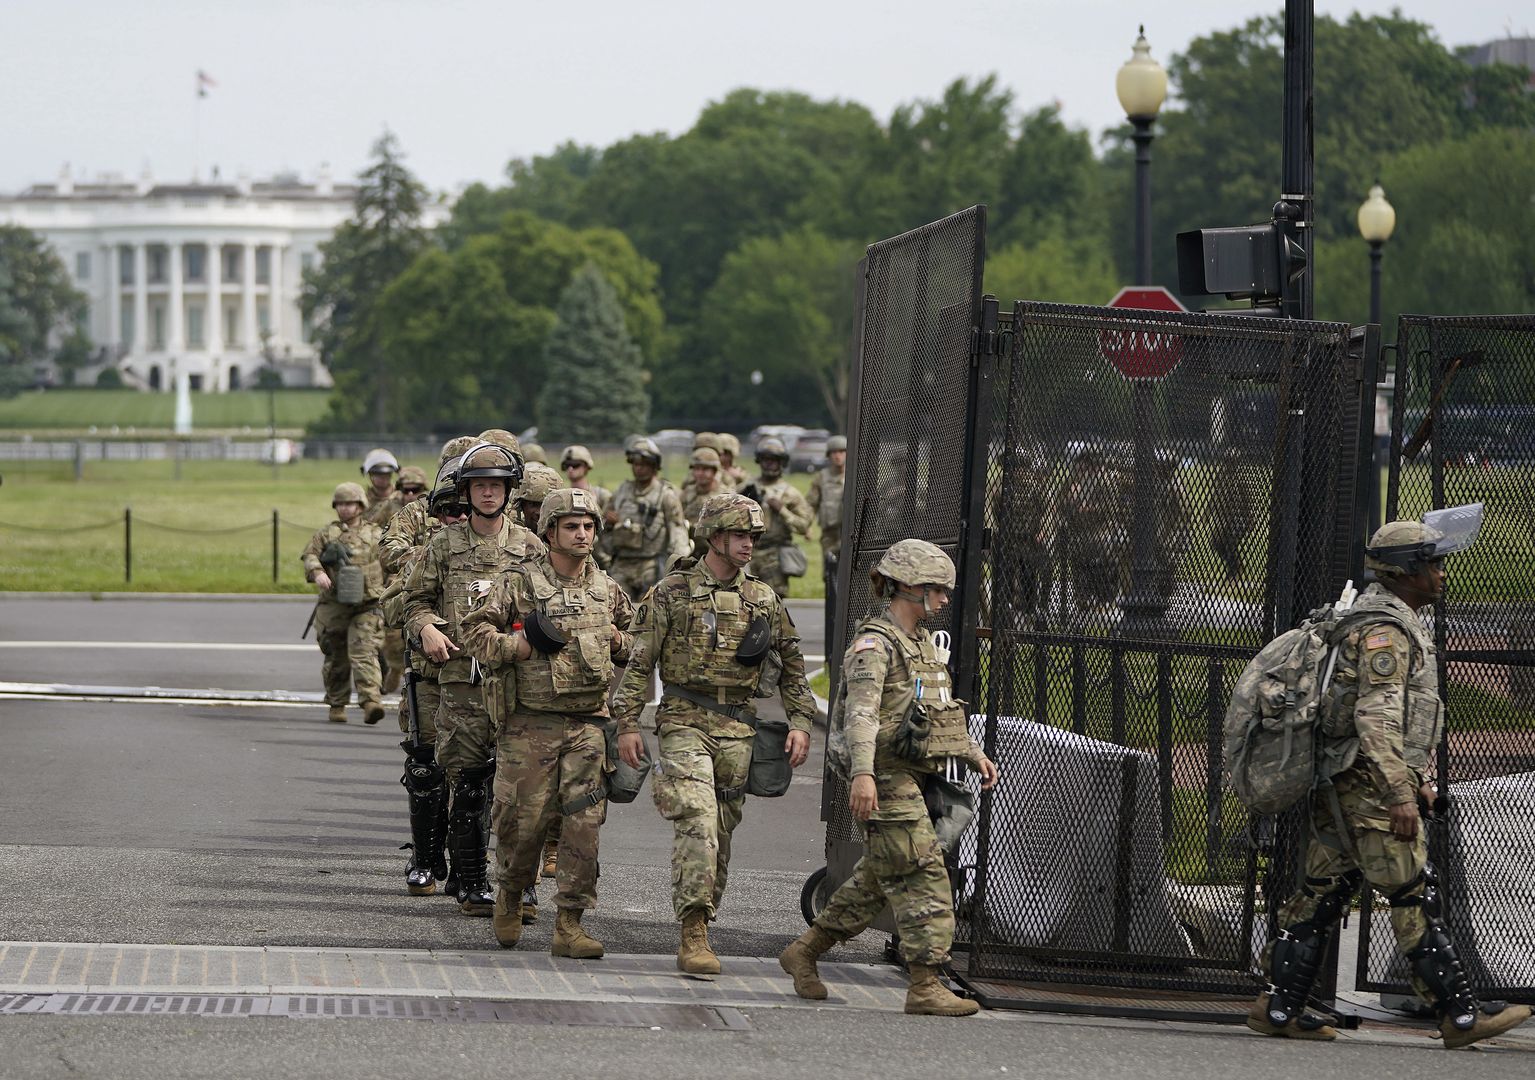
(1457, 526)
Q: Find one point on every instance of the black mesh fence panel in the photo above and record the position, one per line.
(1144, 538)
(1463, 431)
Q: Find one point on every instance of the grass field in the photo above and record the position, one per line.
(49, 411)
(210, 531)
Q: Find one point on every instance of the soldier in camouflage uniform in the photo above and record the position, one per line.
(825, 502)
(1089, 529)
(577, 461)
(704, 440)
(454, 574)
(692, 625)
(732, 476)
(703, 482)
(379, 467)
(892, 662)
(647, 523)
(559, 624)
(1381, 717)
(349, 633)
(784, 509)
(537, 482)
(409, 486)
(425, 783)
(1232, 511)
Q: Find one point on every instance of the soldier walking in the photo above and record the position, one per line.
(703, 482)
(825, 502)
(647, 523)
(379, 466)
(710, 627)
(341, 560)
(785, 513)
(560, 624)
(891, 663)
(409, 486)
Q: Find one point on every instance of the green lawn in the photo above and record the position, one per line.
(50, 411)
(209, 531)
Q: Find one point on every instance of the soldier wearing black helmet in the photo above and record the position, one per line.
(559, 624)
(646, 522)
(785, 513)
(452, 577)
(713, 631)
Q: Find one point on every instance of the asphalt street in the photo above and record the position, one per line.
(265, 826)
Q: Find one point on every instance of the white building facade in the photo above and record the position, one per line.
(200, 280)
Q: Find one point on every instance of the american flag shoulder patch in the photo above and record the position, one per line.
(865, 643)
(1378, 640)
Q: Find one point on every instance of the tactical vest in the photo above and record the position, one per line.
(575, 679)
(951, 732)
(361, 542)
(1424, 714)
(470, 558)
(717, 619)
(641, 531)
(829, 514)
(778, 533)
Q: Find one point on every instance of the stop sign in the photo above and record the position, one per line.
(1139, 354)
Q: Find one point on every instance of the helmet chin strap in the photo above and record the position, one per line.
(902, 593)
(725, 553)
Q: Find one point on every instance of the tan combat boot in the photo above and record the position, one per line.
(694, 955)
(372, 710)
(506, 918)
(551, 857)
(1487, 1025)
(571, 939)
(338, 714)
(798, 960)
(1304, 1026)
(929, 997)
(529, 906)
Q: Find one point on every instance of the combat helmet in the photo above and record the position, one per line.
(410, 476)
(348, 492)
(916, 563)
(836, 442)
(380, 460)
(704, 458)
(455, 447)
(532, 451)
(1405, 547)
(643, 449)
(502, 437)
(729, 444)
(577, 454)
(489, 461)
(706, 440)
(724, 512)
(565, 502)
(772, 447)
(538, 481)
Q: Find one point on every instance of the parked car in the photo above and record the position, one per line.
(808, 452)
(674, 443)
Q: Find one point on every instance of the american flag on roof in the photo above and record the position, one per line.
(204, 82)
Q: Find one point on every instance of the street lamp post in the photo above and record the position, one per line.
(1141, 85)
(1377, 219)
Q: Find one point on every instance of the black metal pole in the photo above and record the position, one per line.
(128, 543)
(1143, 607)
(274, 546)
(1299, 158)
(1375, 252)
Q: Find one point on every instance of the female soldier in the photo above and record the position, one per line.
(892, 664)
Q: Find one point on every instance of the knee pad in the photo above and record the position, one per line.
(1332, 896)
(1422, 891)
(423, 778)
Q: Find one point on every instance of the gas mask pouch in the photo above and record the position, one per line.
(910, 741)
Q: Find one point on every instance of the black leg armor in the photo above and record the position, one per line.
(426, 785)
(1299, 949)
(1434, 959)
(467, 836)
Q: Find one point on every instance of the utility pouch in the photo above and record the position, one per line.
(351, 584)
(772, 671)
(770, 771)
(623, 781)
(950, 806)
(910, 740)
(792, 561)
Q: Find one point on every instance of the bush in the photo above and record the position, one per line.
(109, 379)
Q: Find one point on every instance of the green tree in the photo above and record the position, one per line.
(41, 312)
(1055, 267)
(343, 293)
(594, 388)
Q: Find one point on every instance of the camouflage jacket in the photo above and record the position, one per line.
(650, 522)
(577, 678)
(734, 476)
(379, 511)
(690, 625)
(453, 575)
(693, 499)
(361, 542)
(1381, 714)
(793, 516)
(825, 502)
(407, 532)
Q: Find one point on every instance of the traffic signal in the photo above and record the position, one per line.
(1252, 262)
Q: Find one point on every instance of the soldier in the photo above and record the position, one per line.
(578, 463)
(647, 523)
(784, 509)
(825, 502)
(704, 440)
(342, 562)
(731, 475)
(1380, 720)
(552, 748)
(454, 574)
(425, 783)
(1089, 516)
(1233, 511)
(409, 485)
(502, 437)
(380, 467)
(537, 482)
(709, 625)
(891, 664)
(703, 483)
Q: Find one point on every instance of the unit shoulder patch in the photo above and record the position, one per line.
(1383, 663)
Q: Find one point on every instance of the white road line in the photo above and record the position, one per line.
(179, 646)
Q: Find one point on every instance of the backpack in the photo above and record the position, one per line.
(1271, 734)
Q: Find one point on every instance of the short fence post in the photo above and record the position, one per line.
(128, 544)
(274, 546)
(79, 459)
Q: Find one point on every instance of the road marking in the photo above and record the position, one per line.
(179, 646)
(255, 699)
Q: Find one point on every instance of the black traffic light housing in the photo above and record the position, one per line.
(1260, 263)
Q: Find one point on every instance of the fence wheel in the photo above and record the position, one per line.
(813, 897)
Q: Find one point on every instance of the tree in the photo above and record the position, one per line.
(41, 312)
(343, 293)
(595, 384)
(1055, 267)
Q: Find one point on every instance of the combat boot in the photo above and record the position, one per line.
(1492, 1018)
(1303, 1026)
(571, 939)
(551, 858)
(338, 714)
(530, 905)
(372, 710)
(505, 921)
(694, 955)
(929, 997)
(798, 960)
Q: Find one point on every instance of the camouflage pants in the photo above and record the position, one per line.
(635, 575)
(428, 701)
(692, 769)
(764, 565)
(902, 864)
(464, 737)
(393, 659)
(544, 763)
(349, 637)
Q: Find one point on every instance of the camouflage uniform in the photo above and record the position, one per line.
(731, 475)
(551, 750)
(1089, 516)
(349, 635)
(690, 625)
(651, 529)
(825, 502)
(693, 497)
(793, 516)
(404, 542)
(1232, 511)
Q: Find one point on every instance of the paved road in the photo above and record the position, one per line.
(268, 828)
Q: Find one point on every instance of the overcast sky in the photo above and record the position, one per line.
(108, 85)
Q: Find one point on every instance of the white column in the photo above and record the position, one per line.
(114, 335)
(213, 329)
(176, 340)
(252, 334)
(276, 298)
(140, 298)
